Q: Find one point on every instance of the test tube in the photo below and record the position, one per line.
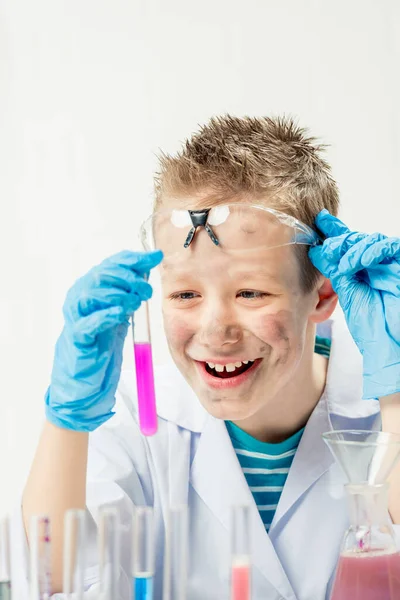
(5, 569)
(143, 553)
(40, 557)
(240, 567)
(109, 548)
(74, 553)
(144, 370)
(175, 562)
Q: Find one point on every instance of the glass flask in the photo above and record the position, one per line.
(369, 561)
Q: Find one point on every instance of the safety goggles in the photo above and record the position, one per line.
(233, 228)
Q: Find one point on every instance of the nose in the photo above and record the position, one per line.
(219, 327)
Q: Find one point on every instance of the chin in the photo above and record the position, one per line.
(227, 409)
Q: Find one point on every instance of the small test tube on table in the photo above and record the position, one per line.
(241, 562)
(74, 553)
(40, 558)
(5, 566)
(144, 370)
(109, 552)
(143, 555)
(176, 555)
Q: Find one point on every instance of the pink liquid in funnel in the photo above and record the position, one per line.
(366, 577)
(145, 388)
(240, 582)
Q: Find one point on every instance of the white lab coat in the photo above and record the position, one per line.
(191, 460)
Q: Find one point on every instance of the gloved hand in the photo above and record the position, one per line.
(365, 273)
(88, 354)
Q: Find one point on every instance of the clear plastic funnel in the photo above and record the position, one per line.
(366, 457)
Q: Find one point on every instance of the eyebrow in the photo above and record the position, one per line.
(242, 275)
(255, 274)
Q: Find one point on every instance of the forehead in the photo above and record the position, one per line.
(203, 260)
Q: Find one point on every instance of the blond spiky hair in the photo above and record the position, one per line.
(269, 160)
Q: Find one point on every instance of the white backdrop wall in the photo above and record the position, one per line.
(91, 89)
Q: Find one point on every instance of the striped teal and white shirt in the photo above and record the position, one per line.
(266, 466)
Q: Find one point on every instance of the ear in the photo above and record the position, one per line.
(327, 301)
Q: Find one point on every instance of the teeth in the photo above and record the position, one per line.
(229, 367)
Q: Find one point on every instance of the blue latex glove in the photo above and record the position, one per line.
(88, 354)
(365, 273)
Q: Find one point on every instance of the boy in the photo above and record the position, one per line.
(241, 302)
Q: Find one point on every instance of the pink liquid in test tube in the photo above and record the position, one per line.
(240, 582)
(144, 370)
(145, 388)
(240, 543)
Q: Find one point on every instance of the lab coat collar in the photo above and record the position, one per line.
(217, 478)
(310, 462)
(344, 384)
(341, 402)
(313, 457)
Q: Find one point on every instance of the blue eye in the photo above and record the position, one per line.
(252, 294)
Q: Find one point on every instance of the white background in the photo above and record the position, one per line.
(91, 89)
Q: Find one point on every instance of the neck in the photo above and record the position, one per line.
(291, 408)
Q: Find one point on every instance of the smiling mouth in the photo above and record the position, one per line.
(227, 374)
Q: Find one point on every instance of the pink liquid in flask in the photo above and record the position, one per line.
(241, 582)
(145, 388)
(366, 577)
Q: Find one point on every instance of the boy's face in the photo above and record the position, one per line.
(224, 309)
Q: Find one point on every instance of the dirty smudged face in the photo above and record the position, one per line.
(236, 324)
